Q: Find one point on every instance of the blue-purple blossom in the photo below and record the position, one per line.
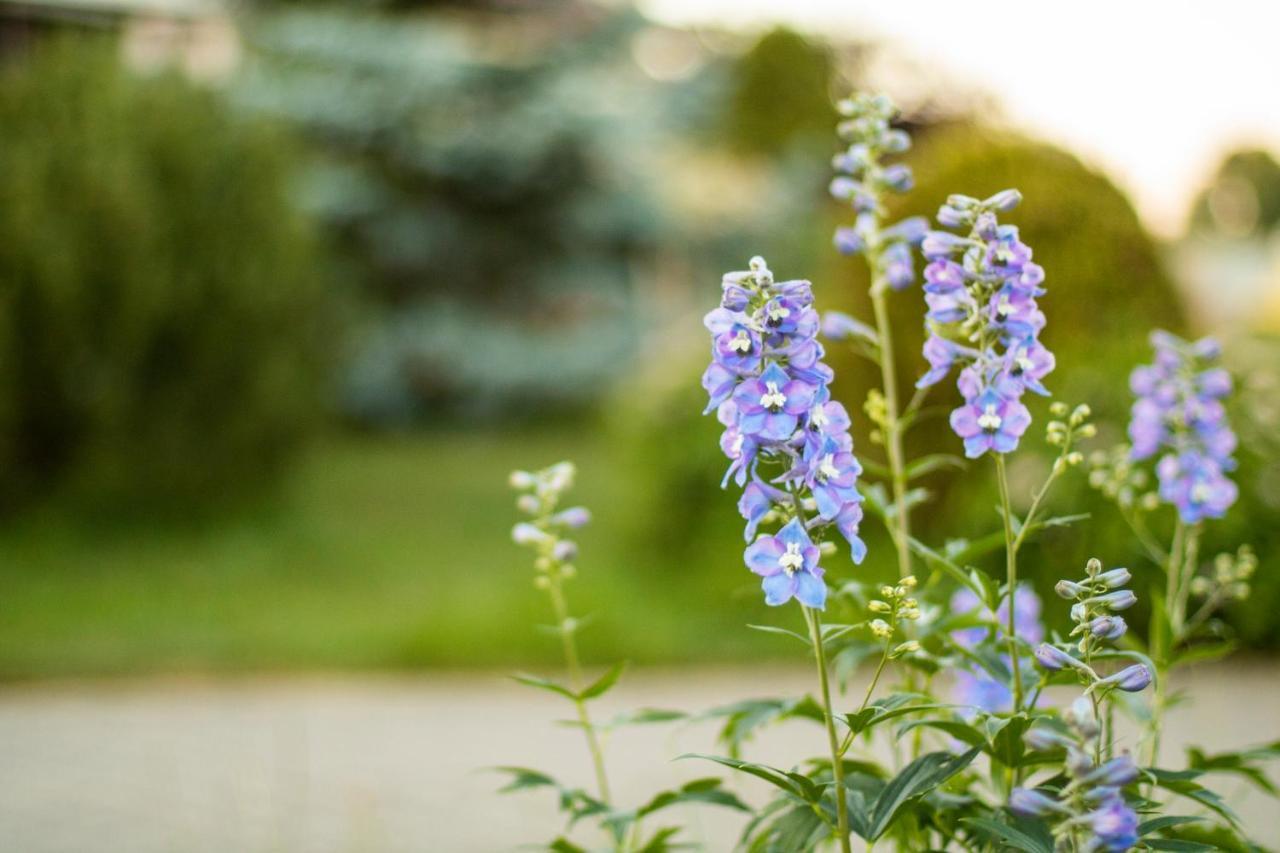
(1131, 679)
(1026, 802)
(982, 316)
(1178, 410)
(768, 386)
(1114, 824)
(974, 686)
(788, 564)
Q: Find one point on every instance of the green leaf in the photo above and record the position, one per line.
(564, 845)
(1204, 652)
(792, 783)
(1237, 763)
(871, 717)
(1178, 844)
(707, 790)
(934, 462)
(545, 684)
(742, 719)
(773, 629)
(658, 842)
(644, 716)
(1014, 837)
(1182, 782)
(917, 778)
(601, 685)
(523, 777)
(1007, 745)
(961, 731)
(1166, 822)
(934, 558)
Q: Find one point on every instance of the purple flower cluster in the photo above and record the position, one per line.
(1179, 410)
(863, 181)
(769, 388)
(1091, 809)
(981, 292)
(974, 686)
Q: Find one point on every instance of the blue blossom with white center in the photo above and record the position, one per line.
(768, 386)
(982, 316)
(864, 180)
(788, 566)
(1179, 412)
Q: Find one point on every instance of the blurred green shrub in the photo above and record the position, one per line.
(779, 94)
(161, 322)
(1244, 198)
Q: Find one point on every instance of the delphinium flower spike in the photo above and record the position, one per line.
(1088, 812)
(546, 532)
(864, 180)
(975, 687)
(789, 448)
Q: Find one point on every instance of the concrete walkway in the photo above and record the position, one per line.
(394, 764)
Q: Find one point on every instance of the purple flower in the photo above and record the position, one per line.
(738, 348)
(1196, 485)
(753, 505)
(770, 406)
(832, 477)
(1108, 627)
(847, 524)
(1114, 825)
(1053, 658)
(1116, 773)
(1027, 364)
(788, 563)
(839, 326)
(990, 422)
(941, 354)
(1025, 802)
(898, 266)
(974, 686)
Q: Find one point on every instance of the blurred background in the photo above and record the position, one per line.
(287, 289)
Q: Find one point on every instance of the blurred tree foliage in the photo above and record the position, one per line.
(779, 94)
(488, 184)
(160, 333)
(1244, 198)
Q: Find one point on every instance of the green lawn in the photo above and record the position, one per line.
(381, 552)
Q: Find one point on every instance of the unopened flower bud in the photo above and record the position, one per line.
(1093, 567)
(1117, 772)
(1068, 589)
(881, 629)
(827, 549)
(541, 581)
(909, 647)
(565, 550)
(527, 503)
(525, 533)
(1053, 658)
(1081, 718)
(1043, 740)
(878, 606)
(886, 591)
(1200, 585)
(574, 517)
(909, 581)
(1087, 431)
(911, 613)
(1121, 599)
(1003, 201)
(1075, 457)
(568, 570)
(1240, 591)
(1108, 627)
(1131, 679)
(1025, 802)
(1114, 578)
(522, 480)
(1150, 501)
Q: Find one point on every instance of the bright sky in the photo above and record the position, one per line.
(1154, 93)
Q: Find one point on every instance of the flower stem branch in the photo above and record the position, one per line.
(1011, 573)
(837, 767)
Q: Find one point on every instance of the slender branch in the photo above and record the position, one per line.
(884, 659)
(576, 684)
(1011, 573)
(837, 767)
(901, 529)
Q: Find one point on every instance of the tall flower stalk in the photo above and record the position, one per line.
(545, 533)
(864, 182)
(790, 450)
(981, 290)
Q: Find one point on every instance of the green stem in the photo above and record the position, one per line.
(901, 529)
(837, 767)
(1011, 573)
(884, 659)
(575, 684)
(1166, 634)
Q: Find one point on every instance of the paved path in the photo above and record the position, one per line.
(391, 764)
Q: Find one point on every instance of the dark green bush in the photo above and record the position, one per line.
(160, 309)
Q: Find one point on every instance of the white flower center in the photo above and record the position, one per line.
(777, 312)
(791, 561)
(827, 468)
(741, 342)
(1003, 307)
(773, 399)
(818, 418)
(1200, 492)
(989, 420)
(1024, 364)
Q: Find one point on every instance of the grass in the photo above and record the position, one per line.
(380, 553)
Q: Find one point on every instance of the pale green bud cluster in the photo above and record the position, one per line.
(894, 605)
(1229, 579)
(544, 532)
(1114, 474)
(1067, 428)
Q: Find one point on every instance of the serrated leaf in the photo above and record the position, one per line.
(604, 683)
(544, 684)
(1012, 836)
(916, 779)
